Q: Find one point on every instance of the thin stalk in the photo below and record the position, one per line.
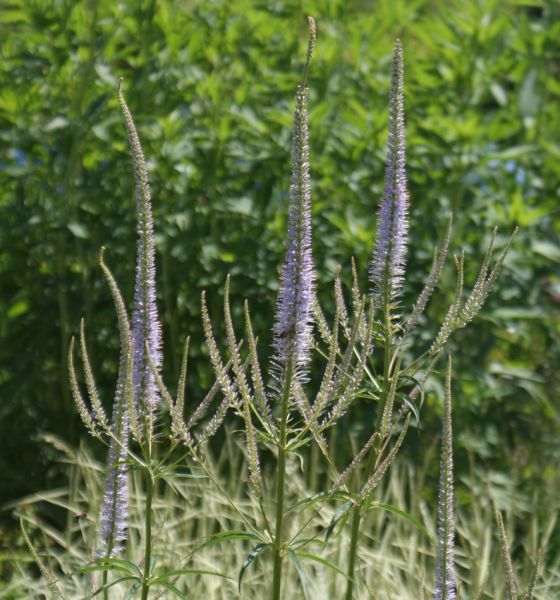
(148, 517)
(280, 483)
(374, 453)
(148, 530)
(356, 518)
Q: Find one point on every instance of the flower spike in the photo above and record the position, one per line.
(292, 329)
(389, 256)
(446, 586)
(113, 517)
(146, 326)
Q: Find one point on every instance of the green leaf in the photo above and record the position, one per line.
(547, 249)
(318, 498)
(57, 123)
(304, 580)
(176, 572)
(514, 152)
(529, 98)
(133, 589)
(172, 588)
(250, 558)
(228, 536)
(112, 564)
(339, 513)
(109, 585)
(401, 513)
(78, 230)
(324, 562)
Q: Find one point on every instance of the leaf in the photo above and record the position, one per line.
(133, 589)
(529, 98)
(547, 249)
(401, 513)
(109, 585)
(305, 584)
(339, 513)
(250, 558)
(231, 535)
(172, 588)
(499, 93)
(324, 562)
(514, 152)
(78, 230)
(112, 564)
(57, 123)
(169, 574)
(318, 498)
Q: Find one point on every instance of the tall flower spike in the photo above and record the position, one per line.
(293, 326)
(446, 586)
(389, 256)
(114, 508)
(146, 327)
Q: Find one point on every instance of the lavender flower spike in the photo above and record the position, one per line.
(113, 516)
(146, 327)
(446, 586)
(113, 529)
(389, 256)
(293, 326)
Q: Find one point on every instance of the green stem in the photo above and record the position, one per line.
(356, 518)
(148, 528)
(104, 583)
(280, 482)
(373, 455)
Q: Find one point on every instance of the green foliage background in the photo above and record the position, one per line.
(211, 86)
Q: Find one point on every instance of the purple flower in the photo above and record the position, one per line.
(113, 515)
(293, 326)
(146, 327)
(113, 526)
(389, 256)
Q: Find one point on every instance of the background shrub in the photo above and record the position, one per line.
(211, 87)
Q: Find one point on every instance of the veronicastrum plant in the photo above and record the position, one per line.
(446, 587)
(286, 415)
(366, 351)
(137, 403)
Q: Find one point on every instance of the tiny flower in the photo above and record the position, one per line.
(293, 326)
(387, 266)
(146, 327)
(113, 516)
(446, 586)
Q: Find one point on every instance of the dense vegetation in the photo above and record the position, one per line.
(211, 88)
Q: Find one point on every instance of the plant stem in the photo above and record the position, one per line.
(148, 529)
(104, 583)
(280, 481)
(356, 518)
(373, 455)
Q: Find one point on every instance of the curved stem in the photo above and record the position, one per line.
(278, 549)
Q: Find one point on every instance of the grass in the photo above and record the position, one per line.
(395, 556)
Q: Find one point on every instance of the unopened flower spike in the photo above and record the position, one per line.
(446, 586)
(387, 266)
(146, 327)
(293, 326)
